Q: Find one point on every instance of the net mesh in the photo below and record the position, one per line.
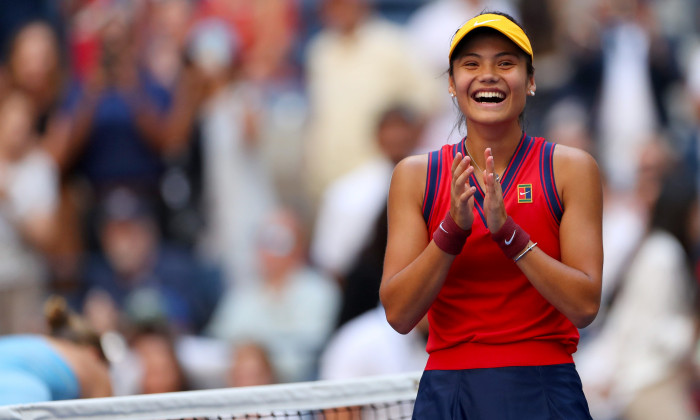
(378, 397)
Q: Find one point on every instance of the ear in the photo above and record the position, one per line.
(531, 85)
(451, 89)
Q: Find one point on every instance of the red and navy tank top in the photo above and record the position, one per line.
(487, 313)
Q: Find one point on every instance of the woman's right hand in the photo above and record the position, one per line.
(462, 194)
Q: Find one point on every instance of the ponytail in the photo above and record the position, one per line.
(63, 323)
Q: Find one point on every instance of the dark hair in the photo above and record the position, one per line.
(673, 212)
(674, 207)
(461, 45)
(400, 110)
(65, 324)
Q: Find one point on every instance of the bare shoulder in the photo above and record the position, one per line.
(91, 372)
(410, 172)
(565, 156)
(408, 182)
(575, 169)
(412, 166)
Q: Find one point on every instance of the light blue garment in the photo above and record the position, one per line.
(31, 371)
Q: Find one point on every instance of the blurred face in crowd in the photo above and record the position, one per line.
(343, 15)
(161, 369)
(250, 366)
(653, 163)
(16, 122)
(398, 134)
(115, 34)
(490, 79)
(116, 48)
(128, 244)
(172, 18)
(34, 58)
(277, 23)
(279, 245)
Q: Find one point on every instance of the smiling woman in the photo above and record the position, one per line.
(498, 239)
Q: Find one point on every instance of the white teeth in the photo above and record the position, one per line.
(480, 95)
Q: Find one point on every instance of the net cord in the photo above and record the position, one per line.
(230, 401)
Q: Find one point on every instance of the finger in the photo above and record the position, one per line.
(491, 182)
(457, 160)
(467, 194)
(459, 171)
(492, 187)
(490, 165)
(463, 178)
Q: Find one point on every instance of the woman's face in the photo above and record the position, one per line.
(489, 78)
(34, 57)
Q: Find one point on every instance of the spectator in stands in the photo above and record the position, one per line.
(13, 16)
(251, 366)
(639, 65)
(356, 66)
(353, 251)
(236, 187)
(154, 349)
(638, 366)
(277, 95)
(165, 39)
(367, 345)
(291, 309)
(125, 122)
(66, 364)
(28, 198)
(335, 247)
(692, 143)
(36, 68)
(626, 217)
(144, 277)
(111, 142)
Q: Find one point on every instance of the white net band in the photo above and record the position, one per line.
(378, 397)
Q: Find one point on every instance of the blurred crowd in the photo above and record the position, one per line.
(205, 181)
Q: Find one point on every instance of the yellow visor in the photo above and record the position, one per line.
(500, 23)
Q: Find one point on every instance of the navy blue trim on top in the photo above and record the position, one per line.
(478, 198)
(524, 147)
(547, 180)
(521, 151)
(432, 184)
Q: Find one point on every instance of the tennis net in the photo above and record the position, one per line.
(378, 398)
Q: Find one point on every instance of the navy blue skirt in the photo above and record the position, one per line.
(550, 392)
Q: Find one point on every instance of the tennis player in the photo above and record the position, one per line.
(67, 364)
(498, 239)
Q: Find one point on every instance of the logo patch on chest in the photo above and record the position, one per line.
(524, 193)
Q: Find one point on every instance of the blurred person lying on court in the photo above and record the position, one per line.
(67, 363)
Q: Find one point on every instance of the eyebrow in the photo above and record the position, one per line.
(498, 55)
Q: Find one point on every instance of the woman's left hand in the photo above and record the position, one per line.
(494, 209)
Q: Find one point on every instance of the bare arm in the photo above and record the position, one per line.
(39, 230)
(169, 132)
(415, 269)
(572, 285)
(92, 372)
(101, 385)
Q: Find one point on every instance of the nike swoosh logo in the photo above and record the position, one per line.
(486, 21)
(443, 229)
(523, 193)
(508, 242)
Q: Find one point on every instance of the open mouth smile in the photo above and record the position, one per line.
(491, 97)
